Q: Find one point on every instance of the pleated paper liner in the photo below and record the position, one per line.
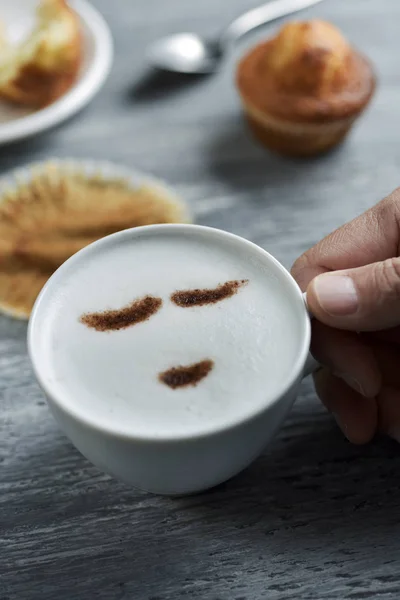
(49, 211)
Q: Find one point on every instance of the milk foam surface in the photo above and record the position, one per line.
(111, 377)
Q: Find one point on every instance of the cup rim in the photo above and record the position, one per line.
(114, 431)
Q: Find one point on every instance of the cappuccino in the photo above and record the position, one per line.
(170, 334)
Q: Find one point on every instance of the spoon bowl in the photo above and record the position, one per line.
(190, 53)
(185, 53)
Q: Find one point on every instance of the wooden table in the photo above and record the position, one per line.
(314, 517)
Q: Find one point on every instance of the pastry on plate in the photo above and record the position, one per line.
(43, 66)
(303, 89)
(55, 210)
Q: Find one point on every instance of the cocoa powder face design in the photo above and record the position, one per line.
(200, 297)
(112, 320)
(183, 376)
(142, 309)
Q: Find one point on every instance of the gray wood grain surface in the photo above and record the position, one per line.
(314, 517)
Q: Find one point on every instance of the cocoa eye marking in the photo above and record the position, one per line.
(113, 320)
(183, 376)
(200, 297)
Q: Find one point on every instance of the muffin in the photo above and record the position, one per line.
(303, 89)
(45, 65)
(52, 210)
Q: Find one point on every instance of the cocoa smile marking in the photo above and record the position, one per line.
(113, 320)
(178, 377)
(199, 297)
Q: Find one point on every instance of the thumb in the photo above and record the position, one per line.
(362, 299)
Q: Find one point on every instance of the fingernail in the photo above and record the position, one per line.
(351, 382)
(336, 294)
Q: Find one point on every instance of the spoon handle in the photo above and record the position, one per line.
(261, 15)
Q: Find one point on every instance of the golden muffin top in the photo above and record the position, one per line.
(308, 71)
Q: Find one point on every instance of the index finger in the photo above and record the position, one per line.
(369, 238)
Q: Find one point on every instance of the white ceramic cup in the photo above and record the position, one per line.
(179, 465)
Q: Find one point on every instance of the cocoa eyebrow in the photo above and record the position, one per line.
(137, 311)
(200, 297)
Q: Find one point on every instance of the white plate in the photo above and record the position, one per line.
(17, 123)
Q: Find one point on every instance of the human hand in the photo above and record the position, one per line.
(352, 278)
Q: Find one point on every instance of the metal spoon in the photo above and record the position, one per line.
(190, 53)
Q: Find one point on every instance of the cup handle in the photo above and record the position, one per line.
(311, 364)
